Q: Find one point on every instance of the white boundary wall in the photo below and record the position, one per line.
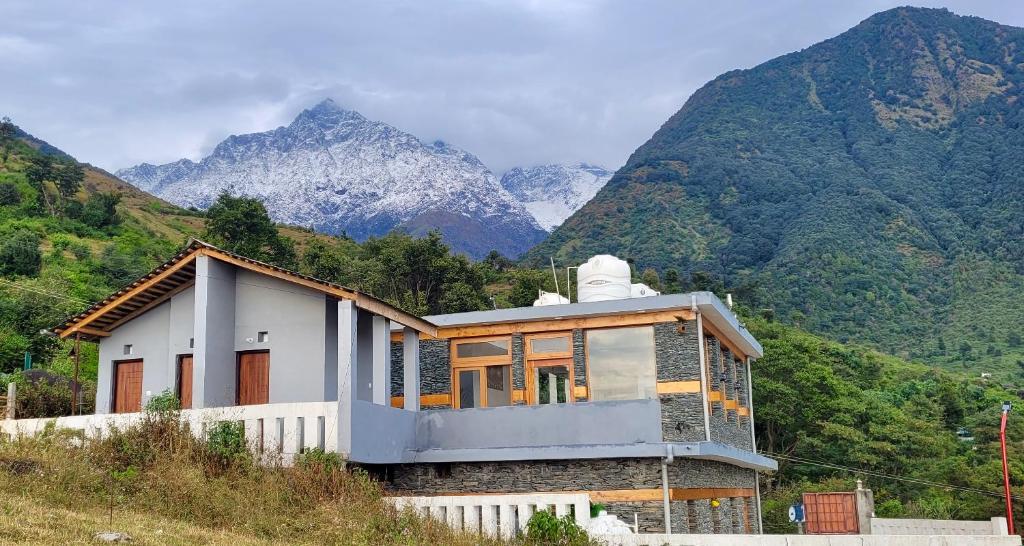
(807, 540)
(496, 515)
(883, 526)
(269, 428)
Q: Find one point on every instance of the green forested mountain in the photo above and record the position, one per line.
(870, 187)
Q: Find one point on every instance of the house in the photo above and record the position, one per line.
(643, 403)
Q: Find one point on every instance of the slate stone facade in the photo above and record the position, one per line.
(595, 475)
(579, 360)
(677, 353)
(518, 364)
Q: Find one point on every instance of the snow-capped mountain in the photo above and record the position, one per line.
(335, 171)
(553, 192)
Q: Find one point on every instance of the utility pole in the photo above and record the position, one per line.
(74, 385)
(1006, 468)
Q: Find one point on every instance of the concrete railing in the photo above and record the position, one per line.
(806, 540)
(269, 428)
(496, 515)
(883, 526)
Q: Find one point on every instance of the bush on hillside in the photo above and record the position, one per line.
(20, 254)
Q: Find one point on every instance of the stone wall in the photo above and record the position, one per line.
(518, 365)
(579, 361)
(593, 475)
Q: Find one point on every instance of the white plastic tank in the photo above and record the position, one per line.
(549, 298)
(603, 278)
(641, 290)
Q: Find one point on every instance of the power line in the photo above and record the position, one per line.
(886, 476)
(42, 292)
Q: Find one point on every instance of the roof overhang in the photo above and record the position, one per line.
(179, 274)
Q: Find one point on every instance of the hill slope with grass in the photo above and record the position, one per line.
(867, 187)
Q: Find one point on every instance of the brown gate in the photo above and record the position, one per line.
(253, 378)
(128, 386)
(831, 513)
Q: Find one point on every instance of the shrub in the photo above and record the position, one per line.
(547, 528)
(226, 444)
(44, 394)
(163, 403)
(20, 255)
(319, 460)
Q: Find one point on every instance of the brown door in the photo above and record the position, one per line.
(831, 513)
(128, 386)
(253, 378)
(185, 381)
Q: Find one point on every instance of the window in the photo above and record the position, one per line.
(549, 369)
(263, 337)
(482, 349)
(191, 343)
(548, 345)
(621, 363)
(128, 349)
(482, 372)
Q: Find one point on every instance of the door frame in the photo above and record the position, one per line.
(177, 374)
(238, 373)
(113, 381)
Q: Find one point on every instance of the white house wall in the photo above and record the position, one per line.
(293, 317)
(148, 336)
(181, 328)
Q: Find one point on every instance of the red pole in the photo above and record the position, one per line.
(1006, 470)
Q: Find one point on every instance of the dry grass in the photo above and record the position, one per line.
(167, 488)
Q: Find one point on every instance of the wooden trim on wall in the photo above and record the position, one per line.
(731, 405)
(743, 411)
(711, 329)
(634, 495)
(156, 279)
(715, 396)
(553, 325)
(425, 400)
(580, 391)
(678, 387)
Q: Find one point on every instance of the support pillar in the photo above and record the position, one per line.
(411, 368)
(381, 361)
(348, 368)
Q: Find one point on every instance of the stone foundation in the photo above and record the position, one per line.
(619, 479)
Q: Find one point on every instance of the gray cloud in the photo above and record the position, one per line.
(517, 82)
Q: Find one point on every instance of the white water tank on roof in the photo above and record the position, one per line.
(549, 298)
(603, 278)
(641, 290)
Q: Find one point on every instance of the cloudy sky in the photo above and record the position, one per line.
(517, 82)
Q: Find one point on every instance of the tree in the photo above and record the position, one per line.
(650, 278)
(242, 225)
(20, 254)
(672, 285)
(100, 210)
(69, 180)
(38, 172)
(7, 131)
(9, 194)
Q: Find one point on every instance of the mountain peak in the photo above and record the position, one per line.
(327, 112)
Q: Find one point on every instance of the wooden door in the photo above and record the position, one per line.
(831, 513)
(253, 378)
(185, 381)
(128, 386)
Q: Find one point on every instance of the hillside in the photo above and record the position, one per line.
(867, 187)
(337, 172)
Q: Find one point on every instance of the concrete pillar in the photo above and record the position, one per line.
(213, 357)
(865, 508)
(411, 368)
(12, 400)
(381, 361)
(552, 389)
(348, 368)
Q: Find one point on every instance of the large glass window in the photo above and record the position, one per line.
(620, 362)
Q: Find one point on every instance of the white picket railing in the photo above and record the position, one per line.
(269, 428)
(496, 515)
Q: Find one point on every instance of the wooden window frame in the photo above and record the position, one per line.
(482, 370)
(533, 360)
(473, 361)
(586, 354)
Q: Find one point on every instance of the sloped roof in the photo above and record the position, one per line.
(179, 273)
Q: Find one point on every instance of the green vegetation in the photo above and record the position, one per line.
(159, 483)
(819, 403)
(866, 188)
(549, 529)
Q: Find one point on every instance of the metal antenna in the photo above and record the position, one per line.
(555, 275)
